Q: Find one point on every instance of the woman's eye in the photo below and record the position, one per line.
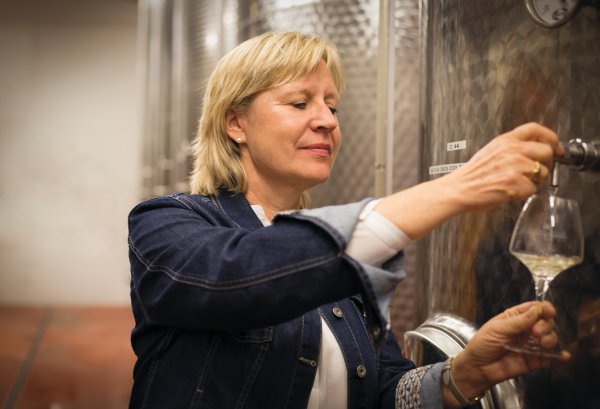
(299, 105)
(333, 110)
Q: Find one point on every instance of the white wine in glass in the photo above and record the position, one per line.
(547, 239)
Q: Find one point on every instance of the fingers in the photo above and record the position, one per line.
(540, 145)
(509, 167)
(538, 173)
(542, 327)
(538, 133)
(548, 340)
(524, 321)
(537, 319)
(529, 316)
(545, 309)
(486, 351)
(537, 151)
(533, 173)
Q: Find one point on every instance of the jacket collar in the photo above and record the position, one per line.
(237, 209)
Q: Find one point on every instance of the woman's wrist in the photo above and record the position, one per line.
(467, 378)
(461, 395)
(421, 208)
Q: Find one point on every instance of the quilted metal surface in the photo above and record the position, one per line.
(490, 68)
(352, 26)
(406, 143)
(464, 70)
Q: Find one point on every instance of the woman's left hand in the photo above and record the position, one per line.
(485, 362)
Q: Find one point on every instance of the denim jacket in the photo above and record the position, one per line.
(227, 312)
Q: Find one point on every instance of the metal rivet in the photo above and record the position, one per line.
(361, 371)
(376, 333)
(338, 312)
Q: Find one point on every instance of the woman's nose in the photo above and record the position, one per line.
(325, 118)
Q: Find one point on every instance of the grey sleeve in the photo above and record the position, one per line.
(343, 218)
(420, 388)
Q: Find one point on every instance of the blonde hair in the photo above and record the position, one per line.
(256, 65)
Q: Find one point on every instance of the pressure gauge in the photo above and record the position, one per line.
(552, 13)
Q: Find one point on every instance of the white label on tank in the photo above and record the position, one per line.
(447, 168)
(456, 146)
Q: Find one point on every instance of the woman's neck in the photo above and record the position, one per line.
(273, 202)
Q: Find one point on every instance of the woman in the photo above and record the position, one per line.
(242, 301)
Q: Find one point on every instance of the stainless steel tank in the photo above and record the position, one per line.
(182, 40)
(429, 83)
(489, 67)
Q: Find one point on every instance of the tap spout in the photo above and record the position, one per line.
(581, 155)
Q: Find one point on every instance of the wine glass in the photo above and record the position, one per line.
(547, 239)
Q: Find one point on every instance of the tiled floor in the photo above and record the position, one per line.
(65, 358)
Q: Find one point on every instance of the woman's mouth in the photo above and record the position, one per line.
(321, 149)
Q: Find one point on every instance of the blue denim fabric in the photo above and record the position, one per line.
(228, 312)
(431, 396)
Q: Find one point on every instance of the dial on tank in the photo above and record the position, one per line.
(552, 13)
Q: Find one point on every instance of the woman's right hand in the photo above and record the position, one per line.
(502, 170)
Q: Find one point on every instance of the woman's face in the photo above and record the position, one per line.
(290, 134)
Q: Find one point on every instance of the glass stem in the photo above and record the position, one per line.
(541, 287)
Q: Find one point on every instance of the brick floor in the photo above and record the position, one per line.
(65, 358)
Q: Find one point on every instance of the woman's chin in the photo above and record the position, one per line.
(316, 179)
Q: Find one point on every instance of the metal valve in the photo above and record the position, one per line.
(581, 155)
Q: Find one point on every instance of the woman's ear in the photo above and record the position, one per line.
(233, 126)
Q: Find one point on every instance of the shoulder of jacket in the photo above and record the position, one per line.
(190, 202)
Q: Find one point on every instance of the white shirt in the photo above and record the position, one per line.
(375, 239)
